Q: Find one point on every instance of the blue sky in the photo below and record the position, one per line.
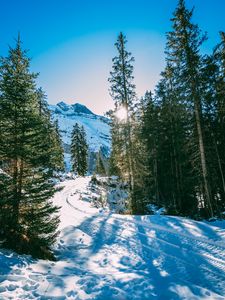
(71, 42)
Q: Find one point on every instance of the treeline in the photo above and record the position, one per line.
(30, 154)
(170, 146)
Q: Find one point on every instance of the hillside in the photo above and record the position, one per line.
(97, 129)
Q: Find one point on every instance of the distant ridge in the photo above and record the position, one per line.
(74, 108)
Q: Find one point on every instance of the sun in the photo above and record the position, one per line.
(121, 114)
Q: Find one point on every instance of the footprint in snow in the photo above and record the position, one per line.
(125, 261)
(2, 289)
(71, 294)
(17, 272)
(30, 287)
(11, 287)
(36, 277)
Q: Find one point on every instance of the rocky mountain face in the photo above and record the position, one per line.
(97, 129)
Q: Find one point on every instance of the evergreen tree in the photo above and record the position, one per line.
(30, 220)
(100, 165)
(79, 150)
(214, 111)
(57, 152)
(176, 178)
(219, 78)
(183, 46)
(42, 103)
(123, 93)
(150, 132)
(54, 139)
(140, 192)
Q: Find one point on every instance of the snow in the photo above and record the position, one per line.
(96, 127)
(106, 256)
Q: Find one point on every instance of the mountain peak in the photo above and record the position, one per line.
(80, 108)
(76, 108)
(70, 109)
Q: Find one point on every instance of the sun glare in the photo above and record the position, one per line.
(121, 114)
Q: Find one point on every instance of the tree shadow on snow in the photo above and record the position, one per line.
(145, 263)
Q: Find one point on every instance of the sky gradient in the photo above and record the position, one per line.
(71, 42)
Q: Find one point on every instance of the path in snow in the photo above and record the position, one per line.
(106, 256)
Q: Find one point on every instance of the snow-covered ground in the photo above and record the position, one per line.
(108, 256)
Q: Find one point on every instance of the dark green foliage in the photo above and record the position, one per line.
(79, 150)
(170, 180)
(174, 152)
(183, 55)
(100, 164)
(57, 152)
(28, 216)
(213, 90)
(182, 125)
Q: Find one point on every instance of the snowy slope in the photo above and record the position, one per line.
(107, 256)
(97, 127)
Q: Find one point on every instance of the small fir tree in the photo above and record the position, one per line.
(79, 150)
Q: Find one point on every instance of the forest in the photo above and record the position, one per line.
(168, 146)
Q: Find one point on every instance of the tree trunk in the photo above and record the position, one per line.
(202, 152)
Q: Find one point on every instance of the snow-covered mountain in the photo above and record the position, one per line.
(97, 128)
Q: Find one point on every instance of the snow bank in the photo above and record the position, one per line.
(106, 256)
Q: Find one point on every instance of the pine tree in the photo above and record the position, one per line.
(54, 139)
(140, 157)
(101, 163)
(42, 103)
(219, 78)
(214, 111)
(176, 179)
(79, 150)
(150, 132)
(123, 93)
(57, 152)
(183, 46)
(30, 221)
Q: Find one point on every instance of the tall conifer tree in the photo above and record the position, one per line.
(123, 93)
(30, 220)
(183, 53)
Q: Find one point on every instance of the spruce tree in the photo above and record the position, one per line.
(219, 78)
(54, 139)
(100, 166)
(140, 192)
(183, 53)
(57, 151)
(150, 132)
(79, 150)
(123, 93)
(176, 178)
(214, 114)
(30, 222)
